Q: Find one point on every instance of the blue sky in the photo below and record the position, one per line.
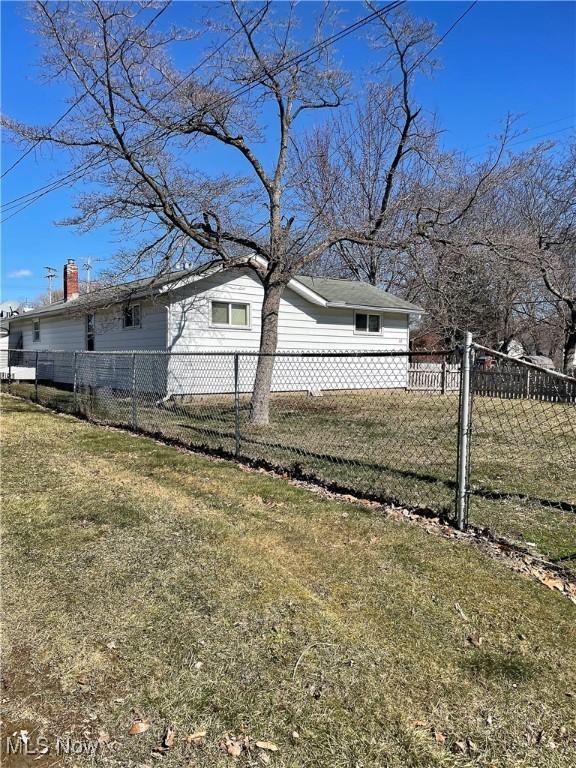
(504, 57)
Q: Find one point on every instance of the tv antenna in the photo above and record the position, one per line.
(50, 275)
(88, 267)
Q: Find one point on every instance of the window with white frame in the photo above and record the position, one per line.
(36, 330)
(132, 316)
(366, 323)
(230, 313)
(90, 331)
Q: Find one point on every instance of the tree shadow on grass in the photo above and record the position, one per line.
(495, 665)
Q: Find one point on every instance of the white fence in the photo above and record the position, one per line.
(434, 377)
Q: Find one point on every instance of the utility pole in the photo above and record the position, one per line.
(50, 275)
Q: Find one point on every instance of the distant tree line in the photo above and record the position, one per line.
(503, 267)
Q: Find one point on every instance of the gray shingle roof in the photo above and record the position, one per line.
(353, 293)
(347, 293)
(101, 297)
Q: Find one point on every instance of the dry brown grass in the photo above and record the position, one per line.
(143, 581)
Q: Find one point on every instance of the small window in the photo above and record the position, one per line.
(365, 323)
(231, 314)
(90, 331)
(36, 331)
(132, 318)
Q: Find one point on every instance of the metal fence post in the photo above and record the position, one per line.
(134, 405)
(9, 373)
(236, 404)
(75, 385)
(464, 422)
(36, 378)
(443, 384)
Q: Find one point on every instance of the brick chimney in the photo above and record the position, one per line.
(70, 280)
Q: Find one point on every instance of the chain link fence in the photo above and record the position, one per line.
(381, 424)
(467, 434)
(523, 454)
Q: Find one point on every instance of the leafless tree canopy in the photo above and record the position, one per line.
(322, 169)
(141, 124)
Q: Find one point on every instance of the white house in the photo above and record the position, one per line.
(212, 309)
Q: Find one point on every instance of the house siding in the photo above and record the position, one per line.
(111, 336)
(303, 327)
(179, 322)
(68, 334)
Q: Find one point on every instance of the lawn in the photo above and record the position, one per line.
(142, 583)
(395, 445)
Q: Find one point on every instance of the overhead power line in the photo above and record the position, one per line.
(82, 96)
(22, 202)
(416, 64)
(533, 128)
(52, 186)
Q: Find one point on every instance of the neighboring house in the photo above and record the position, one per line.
(513, 348)
(8, 309)
(213, 309)
(4, 341)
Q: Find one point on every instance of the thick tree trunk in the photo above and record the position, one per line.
(260, 411)
(569, 361)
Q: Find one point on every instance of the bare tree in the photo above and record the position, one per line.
(425, 209)
(139, 125)
(366, 166)
(528, 230)
(544, 198)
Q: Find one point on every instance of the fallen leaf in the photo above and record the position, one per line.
(459, 746)
(439, 737)
(232, 746)
(551, 582)
(460, 611)
(196, 737)
(103, 737)
(265, 758)
(475, 640)
(268, 745)
(295, 735)
(169, 737)
(139, 726)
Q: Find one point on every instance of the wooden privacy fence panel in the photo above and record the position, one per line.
(518, 382)
(434, 377)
